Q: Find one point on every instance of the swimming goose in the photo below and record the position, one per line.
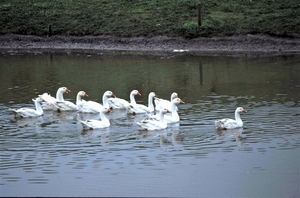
(162, 103)
(50, 101)
(119, 103)
(26, 112)
(150, 125)
(140, 108)
(174, 117)
(227, 123)
(91, 106)
(58, 103)
(97, 124)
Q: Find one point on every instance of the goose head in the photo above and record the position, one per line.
(174, 95)
(106, 110)
(82, 94)
(240, 110)
(64, 90)
(109, 94)
(38, 99)
(136, 92)
(152, 95)
(164, 111)
(177, 101)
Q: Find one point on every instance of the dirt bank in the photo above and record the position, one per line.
(249, 44)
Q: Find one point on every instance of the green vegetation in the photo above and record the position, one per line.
(150, 18)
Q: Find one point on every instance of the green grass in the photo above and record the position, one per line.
(150, 18)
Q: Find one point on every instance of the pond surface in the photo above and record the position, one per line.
(52, 156)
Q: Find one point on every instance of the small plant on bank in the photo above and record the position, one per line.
(189, 29)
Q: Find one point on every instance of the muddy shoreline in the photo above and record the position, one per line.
(234, 45)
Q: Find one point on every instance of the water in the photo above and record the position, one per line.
(52, 155)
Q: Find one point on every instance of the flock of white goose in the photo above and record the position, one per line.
(159, 115)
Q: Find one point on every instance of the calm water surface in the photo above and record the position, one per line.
(52, 155)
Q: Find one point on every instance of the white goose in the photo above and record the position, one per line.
(91, 106)
(58, 103)
(97, 124)
(162, 103)
(50, 101)
(154, 124)
(26, 112)
(140, 108)
(227, 123)
(119, 103)
(174, 117)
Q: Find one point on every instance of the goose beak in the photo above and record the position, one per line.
(113, 95)
(86, 95)
(244, 110)
(109, 110)
(139, 94)
(68, 90)
(182, 102)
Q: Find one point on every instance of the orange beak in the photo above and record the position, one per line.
(113, 95)
(182, 102)
(244, 110)
(68, 90)
(109, 110)
(86, 95)
(139, 94)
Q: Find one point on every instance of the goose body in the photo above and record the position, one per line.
(174, 117)
(162, 103)
(97, 124)
(153, 124)
(228, 123)
(140, 108)
(119, 103)
(58, 103)
(66, 106)
(50, 101)
(27, 112)
(91, 106)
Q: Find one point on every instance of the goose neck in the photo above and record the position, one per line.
(38, 107)
(150, 102)
(78, 98)
(238, 117)
(59, 95)
(103, 117)
(105, 101)
(162, 118)
(174, 109)
(132, 99)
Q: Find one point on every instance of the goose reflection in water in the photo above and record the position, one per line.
(232, 133)
(104, 135)
(165, 139)
(174, 140)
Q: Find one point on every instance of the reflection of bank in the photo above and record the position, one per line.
(200, 72)
(232, 133)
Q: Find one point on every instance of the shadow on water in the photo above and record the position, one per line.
(54, 152)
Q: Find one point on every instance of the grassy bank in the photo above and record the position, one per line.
(150, 18)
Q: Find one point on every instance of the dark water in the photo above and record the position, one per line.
(52, 156)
